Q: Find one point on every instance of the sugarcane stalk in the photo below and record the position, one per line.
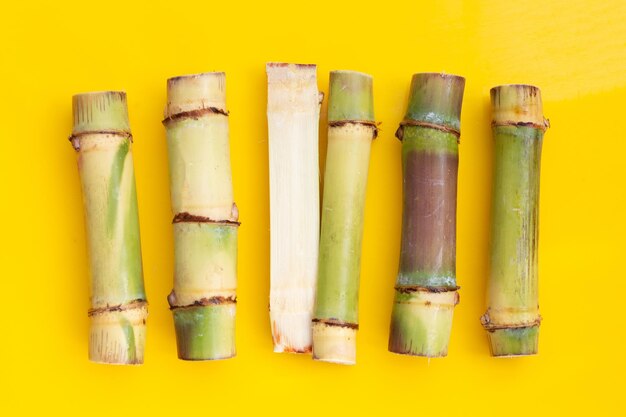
(203, 301)
(351, 128)
(426, 288)
(102, 138)
(512, 318)
(293, 104)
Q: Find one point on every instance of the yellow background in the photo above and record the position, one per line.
(575, 51)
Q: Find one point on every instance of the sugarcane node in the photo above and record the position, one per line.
(74, 137)
(418, 123)
(543, 127)
(406, 289)
(135, 304)
(485, 320)
(492, 328)
(337, 323)
(186, 217)
(194, 114)
(203, 302)
(368, 123)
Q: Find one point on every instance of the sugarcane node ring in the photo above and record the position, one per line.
(186, 217)
(369, 123)
(171, 299)
(409, 122)
(414, 288)
(195, 114)
(542, 126)
(117, 308)
(337, 323)
(491, 327)
(76, 144)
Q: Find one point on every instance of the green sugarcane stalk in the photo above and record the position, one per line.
(512, 318)
(101, 136)
(350, 133)
(426, 290)
(203, 300)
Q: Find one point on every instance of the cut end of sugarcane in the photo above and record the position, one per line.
(517, 104)
(205, 333)
(100, 112)
(287, 64)
(291, 332)
(421, 322)
(291, 87)
(350, 97)
(436, 99)
(519, 341)
(196, 93)
(334, 343)
(118, 335)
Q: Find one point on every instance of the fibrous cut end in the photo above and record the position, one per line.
(517, 104)
(421, 322)
(197, 92)
(334, 343)
(118, 335)
(291, 332)
(97, 112)
(292, 87)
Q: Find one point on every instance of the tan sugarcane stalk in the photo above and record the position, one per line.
(512, 318)
(293, 105)
(102, 138)
(205, 221)
(351, 128)
(426, 289)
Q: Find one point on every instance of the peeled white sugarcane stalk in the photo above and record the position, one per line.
(101, 137)
(293, 108)
(204, 297)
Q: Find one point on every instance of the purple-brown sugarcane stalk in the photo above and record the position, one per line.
(426, 289)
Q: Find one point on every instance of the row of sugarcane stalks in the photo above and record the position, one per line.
(315, 265)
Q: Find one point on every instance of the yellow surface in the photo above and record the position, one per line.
(574, 50)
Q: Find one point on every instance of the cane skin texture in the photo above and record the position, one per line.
(206, 219)
(512, 318)
(426, 290)
(350, 133)
(101, 136)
